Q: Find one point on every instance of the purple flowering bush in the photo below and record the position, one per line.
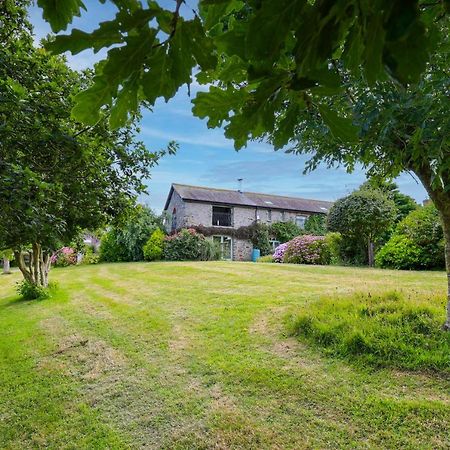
(278, 255)
(65, 256)
(307, 249)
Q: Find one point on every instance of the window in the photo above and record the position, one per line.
(269, 215)
(300, 221)
(221, 216)
(283, 216)
(225, 243)
(274, 244)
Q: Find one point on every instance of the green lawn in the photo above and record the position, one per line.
(197, 355)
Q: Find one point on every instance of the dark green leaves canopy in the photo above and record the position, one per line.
(268, 59)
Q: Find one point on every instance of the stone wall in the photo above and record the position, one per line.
(176, 202)
(242, 250)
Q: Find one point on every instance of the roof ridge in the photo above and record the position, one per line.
(250, 192)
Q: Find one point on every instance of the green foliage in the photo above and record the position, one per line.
(361, 217)
(188, 245)
(89, 256)
(125, 241)
(417, 243)
(334, 243)
(285, 231)
(378, 331)
(153, 248)
(210, 250)
(288, 46)
(365, 213)
(56, 175)
(404, 203)
(265, 259)
(29, 291)
(7, 253)
(400, 252)
(316, 224)
(259, 236)
(110, 248)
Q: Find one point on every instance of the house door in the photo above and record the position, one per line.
(225, 246)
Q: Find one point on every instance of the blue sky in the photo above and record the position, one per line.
(206, 157)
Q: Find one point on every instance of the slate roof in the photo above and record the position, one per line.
(252, 199)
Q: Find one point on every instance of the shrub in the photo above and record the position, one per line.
(29, 291)
(89, 256)
(265, 259)
(285, 231)
(210, 250)
(66, 256)
(334, 242)
(307, 250)
(382, 331)
(399, 252)
(259, 236)
(125, 242)
(186, 245)
(316, 224)
(417, 243)
(278, 255)
(110, 248)
(153, 249)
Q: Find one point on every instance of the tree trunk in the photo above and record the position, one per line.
(441, 200)
(446, 225)
(38, 265)
(370, 253)
(6, 268)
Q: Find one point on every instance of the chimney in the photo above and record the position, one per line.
(240, 185)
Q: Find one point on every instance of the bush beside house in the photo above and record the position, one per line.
(153, 249)
(189, 245)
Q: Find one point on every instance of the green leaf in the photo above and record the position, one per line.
(77, 41)
(285, 129)
(277, 17)
(217, 104)
(202, 47)
(88, 102)
(373, 52)
(122, 63)
(126, 102)
(60, 13)
(341, 127)
(180, 53)
(157, 82)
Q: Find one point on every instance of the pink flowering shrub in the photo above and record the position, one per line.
(307, 249)
(65, 256)
(187, 245)
(278, 255)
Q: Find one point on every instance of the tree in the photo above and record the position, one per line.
(6, 256)
(125, 241)
(316, 224)
(258, 50)
(404, 203)
(285, 231)
(56, 175)
(363, 215)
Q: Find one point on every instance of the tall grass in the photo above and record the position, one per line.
(381, 331)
